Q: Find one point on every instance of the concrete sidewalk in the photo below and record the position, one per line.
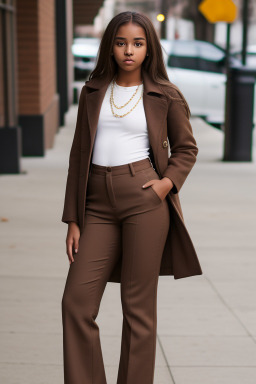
(206, 324)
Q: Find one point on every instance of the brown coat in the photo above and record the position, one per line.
(165, 119)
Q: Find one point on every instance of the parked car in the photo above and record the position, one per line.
(198, 68)
(85, 52)
(250, 56)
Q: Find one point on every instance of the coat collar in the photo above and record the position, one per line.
(155, 108)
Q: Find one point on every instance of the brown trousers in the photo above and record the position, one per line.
(123, 218)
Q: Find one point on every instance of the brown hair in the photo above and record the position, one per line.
(153, 64)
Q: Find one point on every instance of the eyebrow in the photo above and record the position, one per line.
(135, 38)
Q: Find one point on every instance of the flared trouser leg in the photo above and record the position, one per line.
(144, 238)
(86, 281)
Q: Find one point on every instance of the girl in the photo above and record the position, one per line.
(121, 227)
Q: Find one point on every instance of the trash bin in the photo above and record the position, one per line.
(239, 111)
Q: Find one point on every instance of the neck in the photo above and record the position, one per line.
(128, 79)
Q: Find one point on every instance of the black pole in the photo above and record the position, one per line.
(5, 69)
(61, 57)
(227, 46)
(164, 11)
(245, 29)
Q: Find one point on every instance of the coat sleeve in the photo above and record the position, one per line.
(182, 144)
(70, 211)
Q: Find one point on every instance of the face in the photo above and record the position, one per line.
(130, 42)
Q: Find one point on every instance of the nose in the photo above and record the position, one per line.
(128, 50)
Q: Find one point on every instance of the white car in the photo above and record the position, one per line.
(84, 51)
(198, 69)
(250, 56)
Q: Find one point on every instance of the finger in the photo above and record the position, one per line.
(76, 245)
(70, 254)
(147, 184)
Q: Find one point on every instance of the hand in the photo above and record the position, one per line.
(162, 187)
(72, 240)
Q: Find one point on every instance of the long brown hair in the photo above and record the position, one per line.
(106, 65)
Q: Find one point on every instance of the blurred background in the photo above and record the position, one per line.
(206, 324)
(48, 48)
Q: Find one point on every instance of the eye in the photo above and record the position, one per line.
(120, 42)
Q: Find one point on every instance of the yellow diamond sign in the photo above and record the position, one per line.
(218, 10)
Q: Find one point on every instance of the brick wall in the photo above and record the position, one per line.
(36, 55)
(38, 102)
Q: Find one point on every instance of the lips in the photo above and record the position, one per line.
(128, 61)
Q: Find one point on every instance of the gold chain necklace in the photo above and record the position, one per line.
(112, 102)
(112, 96)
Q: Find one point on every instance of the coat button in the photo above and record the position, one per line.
(165, 144)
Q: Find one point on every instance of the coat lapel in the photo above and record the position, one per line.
(155, 108)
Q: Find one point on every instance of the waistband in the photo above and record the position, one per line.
(122, 169)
